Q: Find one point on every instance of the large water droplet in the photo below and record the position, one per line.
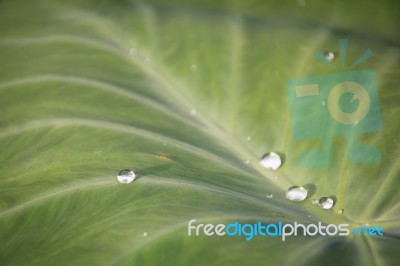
(329, 56)
(296, 193)
(326, 203)
(271, 161)
(126, 176)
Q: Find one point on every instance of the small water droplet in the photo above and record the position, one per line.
(193, 67)
(248, 138)
(132, 51)
(247, 162)
(276, 177)
(145, 234)
(326, 203)
(126, 176)
(269, 195)
(340, 211)
(329, 56)
(296, 193)
(315, 202)
(147, 61)
(271, 161)
(323, 103)
(193, 112)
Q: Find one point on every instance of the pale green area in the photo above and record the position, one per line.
(76, 107)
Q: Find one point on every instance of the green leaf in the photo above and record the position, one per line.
(184, 93)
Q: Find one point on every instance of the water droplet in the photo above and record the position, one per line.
(248, 138)
(145, 234)
(147, 61)
(326, 203)
(132, 51)
(323, 103)
(315, 202)
(247, 162)
(296, 193)
(126, 176)
(165, 144)
(329, 56)
(276, 177)
(269, 195)
(193, 112)
(193, 67)
(271, 161)
(340, 211)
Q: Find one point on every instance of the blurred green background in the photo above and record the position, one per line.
(189, 95)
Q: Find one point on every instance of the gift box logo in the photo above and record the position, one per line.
(340, 104)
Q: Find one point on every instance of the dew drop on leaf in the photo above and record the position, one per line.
(126, 176)
(340, 211)
(271, 161)
(296, 193)
(329, 56)
(269, 195)
(145, 234)
(315, 202)
(326, 203)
